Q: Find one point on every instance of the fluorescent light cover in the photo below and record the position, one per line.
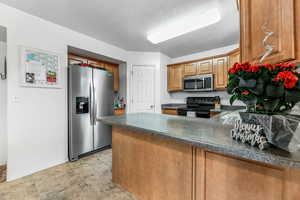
(185, 24)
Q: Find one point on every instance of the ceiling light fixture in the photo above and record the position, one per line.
(180, 26)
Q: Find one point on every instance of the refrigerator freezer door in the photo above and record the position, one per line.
(80, 110)
(103, 94)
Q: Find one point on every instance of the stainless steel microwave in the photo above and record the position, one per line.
(198, 83)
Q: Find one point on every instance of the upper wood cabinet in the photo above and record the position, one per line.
(279, 17)
(234, 57)
(175, 77)
(190, 69)
(74, 60)
(116, 78)
(220, 70)
(114, 68)
(205, 67)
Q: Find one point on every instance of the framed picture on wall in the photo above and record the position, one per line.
(39, 68)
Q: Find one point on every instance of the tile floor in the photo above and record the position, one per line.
(86, 179)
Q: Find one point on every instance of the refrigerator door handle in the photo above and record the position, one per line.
(95, 106)
(91, 103)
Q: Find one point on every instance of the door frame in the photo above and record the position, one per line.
(132, 109)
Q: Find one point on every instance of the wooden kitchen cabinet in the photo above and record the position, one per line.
(220, 70)
(111, 67)
(115, 70)
(75, 60)
(234, 57)
(205, 67)
(116, 78)
(175, 77)
(233, 179)
(190, 69)
(169, 112)
(280, 17)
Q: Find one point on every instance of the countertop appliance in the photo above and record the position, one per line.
(198, 83)
(90, 97)
(199, 106)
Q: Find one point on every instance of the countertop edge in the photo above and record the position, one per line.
(242, 153)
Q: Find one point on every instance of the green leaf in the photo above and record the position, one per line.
(292, 96)
(233, 98)
(271, 105)
(251, 83)
(273, 91)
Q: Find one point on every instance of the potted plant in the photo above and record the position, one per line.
(265, 88)
(269, 92)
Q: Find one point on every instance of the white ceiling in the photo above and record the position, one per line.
(125, 23)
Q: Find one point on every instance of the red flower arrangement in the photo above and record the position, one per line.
(275, 88)
(289, 79)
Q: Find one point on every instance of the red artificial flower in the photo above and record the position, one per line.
(269, 66)
(235, 68)
(286, 66)
(254, 68)
(246, 92)
(246, 66)
(84, 65)
(289, 79)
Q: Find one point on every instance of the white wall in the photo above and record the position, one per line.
(180, 97)
(123, 81)
(165, 95)
(37, 118)
(3, 97)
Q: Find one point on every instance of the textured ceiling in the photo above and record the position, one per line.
(125, 23)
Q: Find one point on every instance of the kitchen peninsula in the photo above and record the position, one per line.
(166, 157)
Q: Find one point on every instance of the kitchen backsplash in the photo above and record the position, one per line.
(180, 97)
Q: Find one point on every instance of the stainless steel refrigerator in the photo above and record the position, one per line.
(90, 97)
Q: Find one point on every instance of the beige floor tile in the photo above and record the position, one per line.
(86, 179)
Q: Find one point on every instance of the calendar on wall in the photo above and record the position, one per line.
(39, 68)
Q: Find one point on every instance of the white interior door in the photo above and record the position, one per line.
(143, 97)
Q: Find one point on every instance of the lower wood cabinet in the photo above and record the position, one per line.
(220, 177)
(169, 112)
(153, 168)
(233, 179)
(175, 77)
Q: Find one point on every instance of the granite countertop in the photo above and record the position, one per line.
(211, 134)
(226, 108)
(173, 106)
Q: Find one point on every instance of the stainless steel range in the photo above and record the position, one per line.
(199, 106)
